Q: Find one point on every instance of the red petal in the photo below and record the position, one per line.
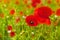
(9, 27)
(58, 12)
(12, 12)
(48, 22)
(17, 19)
(31, 20)
(12, 34)
(17, 2)
(49, 1)
(43, 11)
(21, 13)
(35, 2)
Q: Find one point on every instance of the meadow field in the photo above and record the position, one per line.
(29, 19)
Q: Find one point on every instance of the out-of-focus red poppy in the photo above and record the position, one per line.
(35, 2)
(17, 19)
(12, 34)
(9, 27)
(43, 20)
(49, 1)
(1, 15)
(42, 14)
(31, 20)
(12, 11)
(43, 11)
(58, 12)
(47, 21)
(21, 13)
(25, 1)
(57, 1)
(17, 2)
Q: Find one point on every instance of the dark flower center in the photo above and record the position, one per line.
(31, 22)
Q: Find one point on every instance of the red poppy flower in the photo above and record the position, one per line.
(25, 1)
(17, 19)
(21, 13)
(9, 27)
(57, 1)
(31, 20)
(42, 20)
(12, 34)
(35, 2)
(43, 11)
(12, 12)
(17, 2)
(49, 1)
(42, 14)
(1, 15)
(58, 12)
(47, 21)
